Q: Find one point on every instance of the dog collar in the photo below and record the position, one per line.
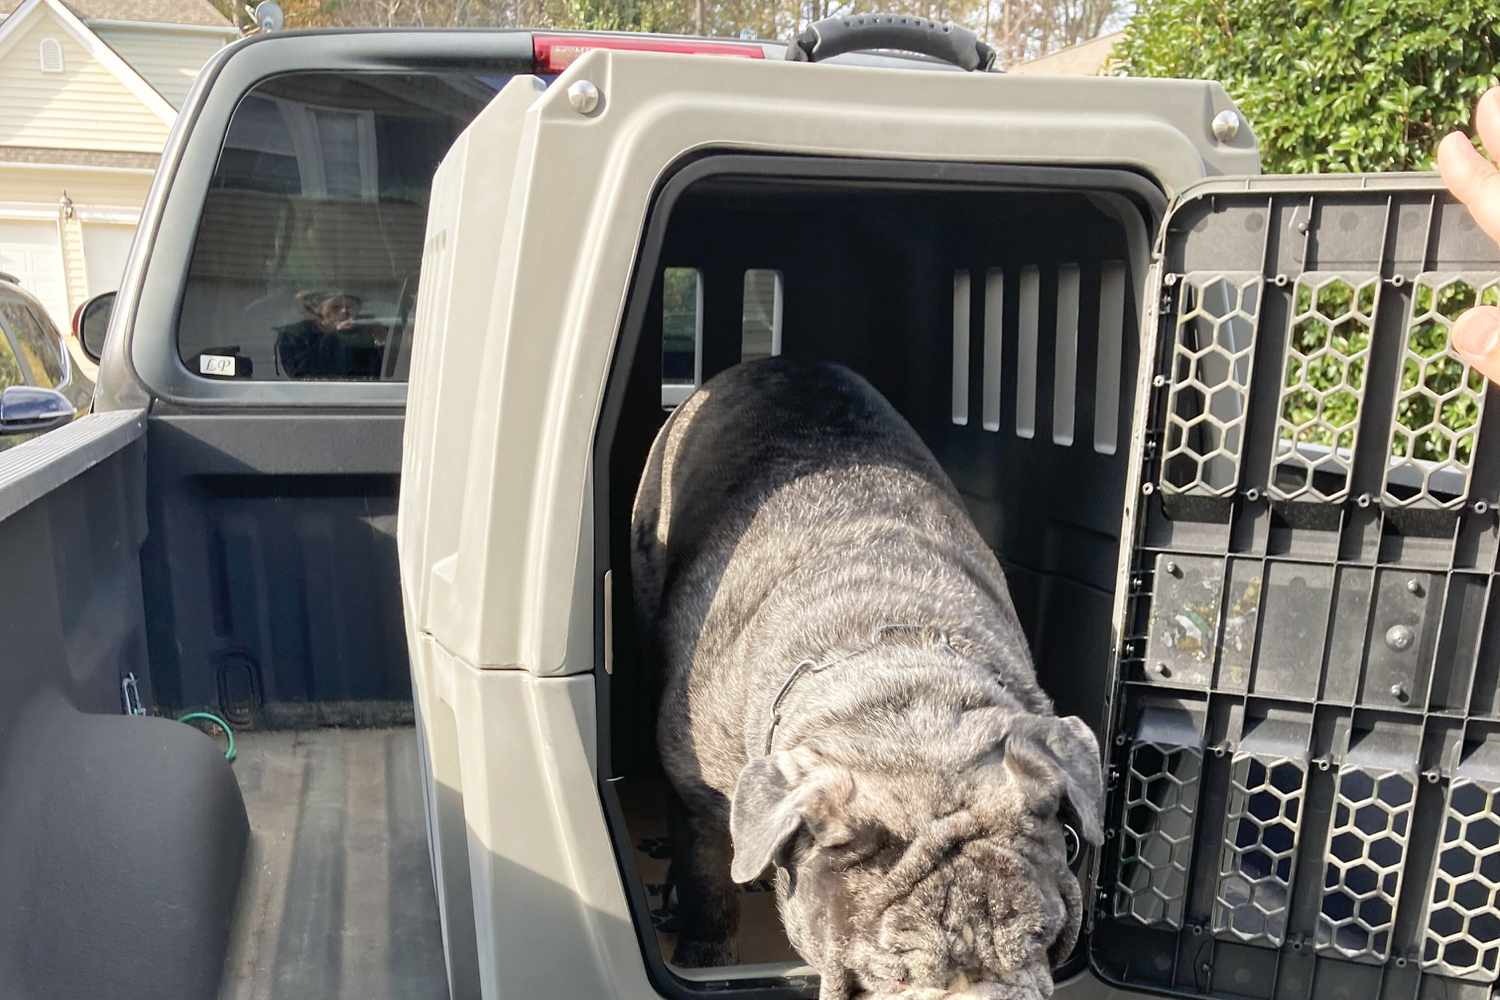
(810, 666)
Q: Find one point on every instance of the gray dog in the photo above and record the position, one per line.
(847, 695)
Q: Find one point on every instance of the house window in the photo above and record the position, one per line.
(52, 60)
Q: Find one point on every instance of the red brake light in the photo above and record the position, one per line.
(555, 53)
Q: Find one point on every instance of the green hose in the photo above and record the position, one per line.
(216, 720)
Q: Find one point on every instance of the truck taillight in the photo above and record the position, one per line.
(555, 53)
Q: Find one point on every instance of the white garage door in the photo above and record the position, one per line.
(105, 247)
(30, 251)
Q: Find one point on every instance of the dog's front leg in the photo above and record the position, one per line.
(833, 985)
(708, 905)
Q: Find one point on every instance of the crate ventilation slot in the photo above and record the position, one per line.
(1323, 385)
(1462, 939)
(1072, 379)
(1212, 350)
(1156, 836)
(1439, 399)
(1257, 861)
(1363, 862)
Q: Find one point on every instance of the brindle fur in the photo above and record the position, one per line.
(910, 803)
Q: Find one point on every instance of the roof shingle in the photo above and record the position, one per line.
(198, 12)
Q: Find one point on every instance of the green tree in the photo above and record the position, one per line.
(1330, 85)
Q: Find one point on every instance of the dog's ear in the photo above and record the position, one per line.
(768, 809)
(1061, 752)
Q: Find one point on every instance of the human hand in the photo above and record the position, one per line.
(1476, 182)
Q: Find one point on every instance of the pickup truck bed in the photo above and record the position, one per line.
(337, 899)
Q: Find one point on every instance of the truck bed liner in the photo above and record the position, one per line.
(337, 899)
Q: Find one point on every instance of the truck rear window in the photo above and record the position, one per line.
(307, 254)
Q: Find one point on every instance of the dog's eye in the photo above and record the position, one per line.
(872, 845)
(1044, 808)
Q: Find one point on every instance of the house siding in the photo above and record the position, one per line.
(83, 107)
(46, 187)
(74, 267)
(169, 60)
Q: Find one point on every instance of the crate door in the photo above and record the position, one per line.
(1305, 741)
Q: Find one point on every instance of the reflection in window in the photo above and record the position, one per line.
(10, 368)
(681, 333)
(39, 344)
(307, 255)
(760, 328)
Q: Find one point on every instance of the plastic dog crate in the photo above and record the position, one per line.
(1305, 742)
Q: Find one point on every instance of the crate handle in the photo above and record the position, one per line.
(834, 36)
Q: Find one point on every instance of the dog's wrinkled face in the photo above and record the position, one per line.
(944, 879)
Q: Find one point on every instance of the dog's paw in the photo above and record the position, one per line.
(694, 954)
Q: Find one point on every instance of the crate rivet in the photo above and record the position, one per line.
(1398, 280)
(1120, 740)
(1432, 776)
(1414, 587)
(1323, 763)
(1197, 930)
(583, 96)
(1480, 507)
(1159, 381)
(1170, 280)
(1398, 692)
(1400, 639)
(1226, 125)
(1109, 834)
(1136, 583)
(1280, 281)
(1400, 961)
(1148, 488)
(1220, 750)
(1252, 494)
(1364, 500)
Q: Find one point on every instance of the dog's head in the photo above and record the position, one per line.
(940, 872)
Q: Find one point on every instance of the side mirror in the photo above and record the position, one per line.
(91, 323)
(28, 409)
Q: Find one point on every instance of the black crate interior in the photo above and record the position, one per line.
(1308, 733)
(997, 309)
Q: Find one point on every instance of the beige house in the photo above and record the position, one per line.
(1090, 58)
(88, 92)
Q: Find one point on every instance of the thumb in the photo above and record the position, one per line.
(1476, 338)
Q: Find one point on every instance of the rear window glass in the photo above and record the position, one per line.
(306, 259)
(38, 342)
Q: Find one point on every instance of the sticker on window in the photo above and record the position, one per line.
(216, 364)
